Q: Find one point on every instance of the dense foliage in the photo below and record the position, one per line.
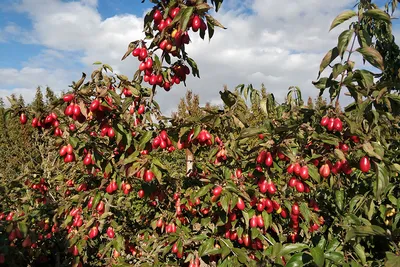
(100, 177)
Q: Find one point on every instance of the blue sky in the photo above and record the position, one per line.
(278, 43)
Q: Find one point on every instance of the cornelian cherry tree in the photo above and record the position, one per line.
(256, 183)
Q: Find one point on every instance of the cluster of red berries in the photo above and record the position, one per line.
(162, 141)
(112, 187)
(68, 153)
(265, 157)
(50, 120)
(332, 124)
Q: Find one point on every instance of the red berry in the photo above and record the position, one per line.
(304, 172)
(365, 164)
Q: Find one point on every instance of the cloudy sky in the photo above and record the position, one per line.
(278, 43)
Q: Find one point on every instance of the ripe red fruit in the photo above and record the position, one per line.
(246, 240)
(110, 132)
(260, 206)
(355, 138)
(75, 251)
(295, 209)
(304, 172)
(217, 191)
(72, 127)
(141, 109)
(324, 121)
(284, 213)
(344, 147)
(261, 157)
(338, 125)
(253, 221)
(196, 23)
(142, 66)
(238, 173)
(260, 221)
(69, 158)
(365, 164)
(300, 187)
(173, 12)
(149, 63)
(290, 168)
(23, 119)
(94, 105)
(148, 176)
(110, 232)
(136, 52)
(63, 151)
(77, 110)
(143, 53)
(68, 97)
(70, 150)
(261, 136)
(94, 231)
(240, 204)
(159, 223)
(296, 168)
(346, 167)
(100, 206)
(325, 171)
(141, 193)
(331, 124)
(69, 110)
(271, 188)
(35, 122)
(157, 16)
(10, 216)
(292, 182)
(268, 160)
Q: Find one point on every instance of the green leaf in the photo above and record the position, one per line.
(206, 247)
(300, 259)
(360, 251)
(342, 17)
(23, 228)
(145, 139)
(377, 14)
(343, 41)
(336, 257)
(290, 248)
(186, 14)
(157, 173)
(241, 255)
(368, 230)
(339, 199)
(73, 141)
(313, 171)
(382, 180)
(365, 78)
(204, 190)
(305, 211)
(328, 58)
(372, 55)
(246, 218)
(318, 256)
(370, 150)
(392, 260)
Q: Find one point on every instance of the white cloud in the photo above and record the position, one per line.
(13, 32)
(278, 43)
